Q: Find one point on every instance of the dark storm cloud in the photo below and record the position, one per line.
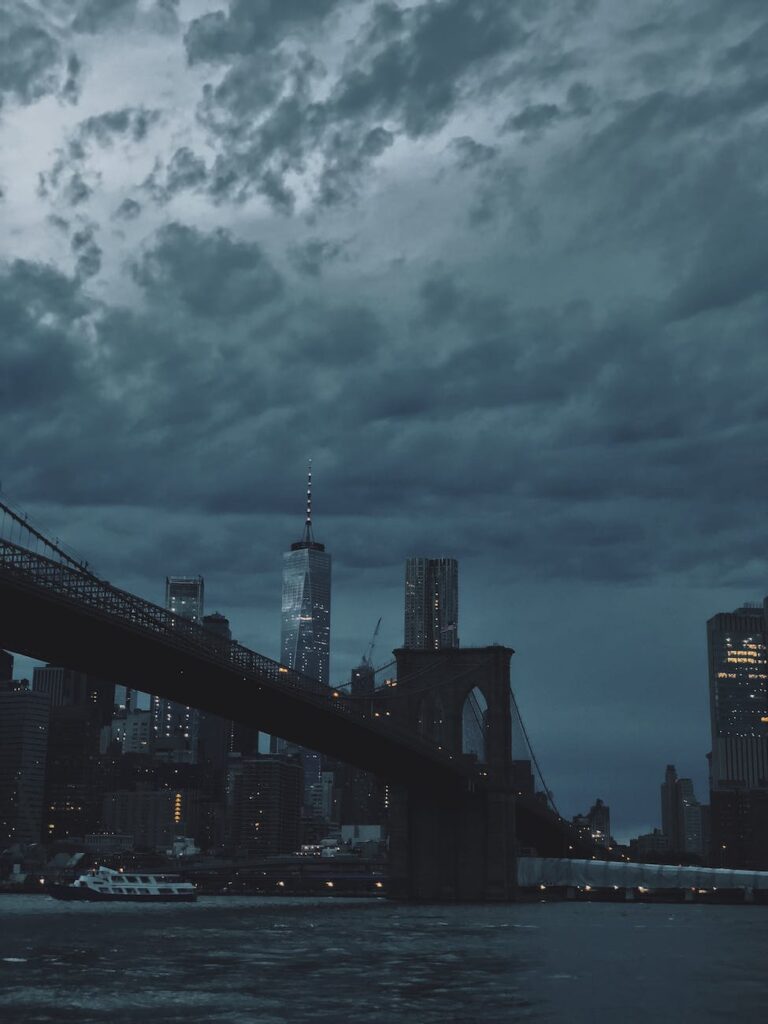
(129, 209)
(41, 311)
(416, 62)
(95, 15)
(488, 377)
(407, 71)
(344, 338)
(91, 17)
(31, 57)
(70, 178)
(87, 252)
(534, 118)
(314, 255)
(132, 123)
(470, 153)
(185, 171)
(76, 190)
(70, 91)
(545, 355)
(250, 25)
(213, 275)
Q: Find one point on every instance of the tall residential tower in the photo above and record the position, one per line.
(176, 726)
(431, 603)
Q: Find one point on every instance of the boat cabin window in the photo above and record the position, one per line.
(165, 889)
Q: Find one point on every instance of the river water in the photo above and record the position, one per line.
(274, 961)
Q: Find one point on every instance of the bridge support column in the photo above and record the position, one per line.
(456, 844)
(452, 847)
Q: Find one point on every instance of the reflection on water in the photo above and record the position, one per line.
(274, 961)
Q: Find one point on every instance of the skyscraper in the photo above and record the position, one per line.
(737, 644)
(81, 708)
(680, 814)
(176, 725)
(184, 596)
(69, 689)
(305, 636)
(431, 603)
(23, 741)
(738, 693)
(595, 825)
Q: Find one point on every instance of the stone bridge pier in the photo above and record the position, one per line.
(456, 843)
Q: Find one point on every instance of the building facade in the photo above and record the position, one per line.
(595, 825)
(24, 722)
(176, 726)
(68, 689)
(184, 596)
(154, 819)
(431, 603)
(81, 709)
(264, 804)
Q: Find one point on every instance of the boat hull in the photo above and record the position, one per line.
(82, 894)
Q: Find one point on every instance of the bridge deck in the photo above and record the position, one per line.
(65, 615)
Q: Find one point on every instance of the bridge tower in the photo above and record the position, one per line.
(457, 843)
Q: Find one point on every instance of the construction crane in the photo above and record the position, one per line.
(369, 653)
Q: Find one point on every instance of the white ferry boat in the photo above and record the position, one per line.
(134, 886)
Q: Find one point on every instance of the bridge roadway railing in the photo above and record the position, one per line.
(81, 587)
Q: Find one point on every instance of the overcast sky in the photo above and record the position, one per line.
(497, 266)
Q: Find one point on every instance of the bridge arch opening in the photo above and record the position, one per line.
(474, 724)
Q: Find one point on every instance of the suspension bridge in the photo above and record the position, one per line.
(456, 820)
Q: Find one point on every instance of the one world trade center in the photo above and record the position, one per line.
(305, 638)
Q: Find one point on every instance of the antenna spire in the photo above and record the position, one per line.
(308, 520)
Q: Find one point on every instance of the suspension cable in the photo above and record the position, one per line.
(22, 521)
(547, 790)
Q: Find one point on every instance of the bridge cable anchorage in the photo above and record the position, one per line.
(547, 791)
(20, 520)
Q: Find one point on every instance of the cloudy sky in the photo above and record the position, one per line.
(497, 266)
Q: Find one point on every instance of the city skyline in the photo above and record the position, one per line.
(495, 266)
(624, 814)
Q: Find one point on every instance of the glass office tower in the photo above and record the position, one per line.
(305, 637)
